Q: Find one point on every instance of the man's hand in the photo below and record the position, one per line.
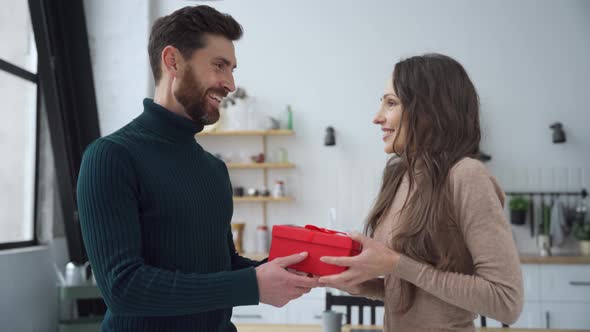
(276, 286)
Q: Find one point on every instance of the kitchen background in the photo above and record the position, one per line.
(329, 61)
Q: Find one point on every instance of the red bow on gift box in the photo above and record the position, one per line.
(324, 230)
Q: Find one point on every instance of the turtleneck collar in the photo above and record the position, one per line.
(166, 123)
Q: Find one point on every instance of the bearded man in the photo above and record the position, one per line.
(155, 207)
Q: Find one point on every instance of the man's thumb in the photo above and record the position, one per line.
(290, 260)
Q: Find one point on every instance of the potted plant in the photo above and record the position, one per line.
(237, 113)
(582, 234)
(518, 209)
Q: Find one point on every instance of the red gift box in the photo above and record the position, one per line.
(317, 242)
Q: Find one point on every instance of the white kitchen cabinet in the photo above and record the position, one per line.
(259, 314)
(531, 316)
(564, 296)
(573, 315)
(305, 311)
(567, 283)
(531, 282)
(555, 295)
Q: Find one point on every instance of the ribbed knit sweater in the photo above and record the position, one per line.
(449, 301)
(155, 212)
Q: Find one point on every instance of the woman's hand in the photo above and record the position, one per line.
(374, 261)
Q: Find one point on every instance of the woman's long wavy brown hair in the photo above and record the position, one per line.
(440, 118)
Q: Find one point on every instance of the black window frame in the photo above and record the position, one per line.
(26, 75)
(65, 87)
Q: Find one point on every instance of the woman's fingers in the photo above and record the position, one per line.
(337, 278)
(338, 261)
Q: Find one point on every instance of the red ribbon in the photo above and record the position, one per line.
(323, 230)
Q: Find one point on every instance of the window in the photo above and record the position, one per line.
(18, 125)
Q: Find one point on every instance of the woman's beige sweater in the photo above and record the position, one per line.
(447, 301)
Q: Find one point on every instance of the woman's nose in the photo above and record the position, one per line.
(378, 119)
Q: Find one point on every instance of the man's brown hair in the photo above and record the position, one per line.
(185, 29)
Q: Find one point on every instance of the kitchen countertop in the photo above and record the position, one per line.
(557, 259)
(318, 328)
(524, 258)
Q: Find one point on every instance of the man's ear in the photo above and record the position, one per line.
(170, 60)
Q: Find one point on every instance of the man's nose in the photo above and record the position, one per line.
(229, 84)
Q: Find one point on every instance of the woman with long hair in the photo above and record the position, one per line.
(438, 249)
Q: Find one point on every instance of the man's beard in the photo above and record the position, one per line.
(193, 97)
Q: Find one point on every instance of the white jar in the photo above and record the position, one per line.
(278, 189)
(262, 239)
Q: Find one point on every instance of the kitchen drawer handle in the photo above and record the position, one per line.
(248, 316)
(580, 283)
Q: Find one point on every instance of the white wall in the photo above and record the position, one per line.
(117, 35)
(329, 59)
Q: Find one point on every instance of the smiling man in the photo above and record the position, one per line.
(155, 208)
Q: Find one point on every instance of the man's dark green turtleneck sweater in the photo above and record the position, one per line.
(155, 210)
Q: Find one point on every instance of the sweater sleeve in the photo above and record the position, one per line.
(109, 218)
(495, 289)
(373, 289)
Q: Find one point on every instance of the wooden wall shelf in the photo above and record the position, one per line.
(264, 167)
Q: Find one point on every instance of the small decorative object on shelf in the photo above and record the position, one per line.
(238, 191)
(264, 192)
(279, 189)
(237, 108)
(237, 230)
(259, 158)
(272, 123)
(281, 156)
(262, 239)
(289, 120)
